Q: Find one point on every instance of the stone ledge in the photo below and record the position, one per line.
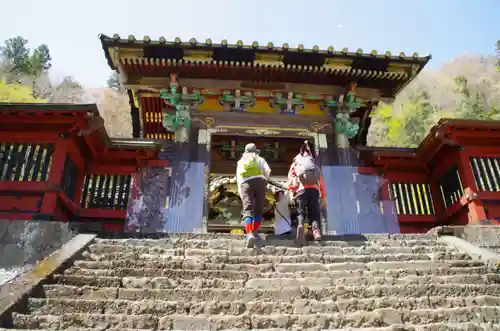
(14, 292)
(472, 239)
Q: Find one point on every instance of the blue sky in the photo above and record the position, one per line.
(444, 28)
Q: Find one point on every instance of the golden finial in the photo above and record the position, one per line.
(239, 43)
(286, 46)
(373, 52)
(388, 54)
(330, 49)
(359, 51)
(415, 55)
(208, 42)
(146, 39)
(345, 50)
(270, 45)
(116, 36)
(131, 38)
(255, 44)
(177, 40)
(162, 40)
(402, 54)
(300, 47)
(224, 42)
(193, 41)
(316, 48)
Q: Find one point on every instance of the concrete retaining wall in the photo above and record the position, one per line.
(24, 243)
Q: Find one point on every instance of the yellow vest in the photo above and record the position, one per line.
(251, 168)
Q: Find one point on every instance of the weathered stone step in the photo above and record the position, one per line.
(150, 268)
(468, 326)
(185, 274)
(230, 271)
(83, 329)
(275, 293)
(225, 241)
(299, 306)
(213, 256)
(426, 327)
(270, 250)
(376, 318)
(262, 283)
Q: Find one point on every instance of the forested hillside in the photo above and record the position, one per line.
(467, 87)
(24, 77)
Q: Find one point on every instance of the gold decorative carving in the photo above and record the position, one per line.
(263, 132)
(269, 59)
(198, 55)
(220, 130)
(209, 140)
(317, 127)
(339, 64)
(414, 70)
(397, 68)
(209, 122)
(126, 53)
(306, 134)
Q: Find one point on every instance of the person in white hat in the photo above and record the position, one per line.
(252, 173)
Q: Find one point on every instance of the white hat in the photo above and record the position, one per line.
(251, 148)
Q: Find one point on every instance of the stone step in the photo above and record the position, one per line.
(82, 329)
(219, 257)
(151, 269)
(375, 318)
(230, 271)
(263, 283)
(223, 240)
(299, 306)
(269, 250)
(467, 326)
(224, 243)
(275, 293)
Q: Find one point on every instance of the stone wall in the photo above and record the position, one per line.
(24, 243)
(485, 236)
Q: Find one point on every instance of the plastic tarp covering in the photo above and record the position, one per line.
(170, 200)
(354, 202)
(187, 186)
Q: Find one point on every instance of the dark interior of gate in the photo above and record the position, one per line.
(224, 203)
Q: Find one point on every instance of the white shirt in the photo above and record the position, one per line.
(282, 219)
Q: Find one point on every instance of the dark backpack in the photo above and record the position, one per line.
(307, 171)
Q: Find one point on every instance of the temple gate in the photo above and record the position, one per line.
(57, 162)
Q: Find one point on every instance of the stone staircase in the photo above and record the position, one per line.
(211, 282)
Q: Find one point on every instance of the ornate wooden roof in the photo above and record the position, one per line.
(270, 63)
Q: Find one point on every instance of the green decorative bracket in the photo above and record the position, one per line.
(328, 103)
(351, 102)
(182, 102)
(288, 104)
(236, 100)
(173, 97)
(181, 118)
(344, 125)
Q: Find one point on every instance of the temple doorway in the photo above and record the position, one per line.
(224, 204)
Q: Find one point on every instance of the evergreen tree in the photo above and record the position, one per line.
(24, 62)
